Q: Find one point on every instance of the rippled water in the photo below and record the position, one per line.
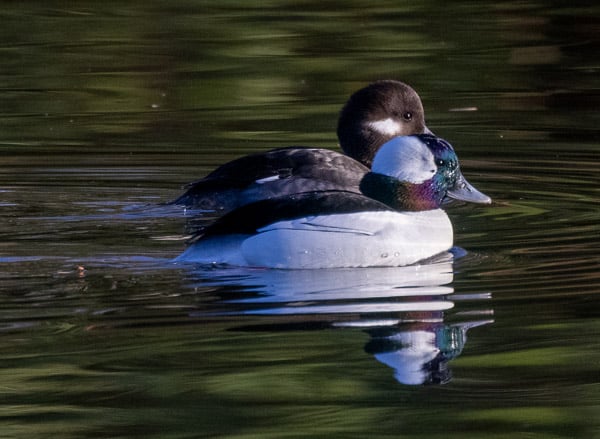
(105, 111)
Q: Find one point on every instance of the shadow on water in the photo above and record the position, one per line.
(414, 319)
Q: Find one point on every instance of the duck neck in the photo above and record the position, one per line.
(361, 144)
(401, 195)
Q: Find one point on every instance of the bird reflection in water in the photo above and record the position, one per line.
(403, 309)
(419, 352)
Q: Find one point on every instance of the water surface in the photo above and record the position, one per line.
(106, 110)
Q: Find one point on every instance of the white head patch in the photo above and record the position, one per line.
(405, 158)
(387, 127)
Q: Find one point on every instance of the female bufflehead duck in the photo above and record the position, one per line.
(371, 117)
(396, 220)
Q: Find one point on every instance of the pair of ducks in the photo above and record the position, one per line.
(300, 207)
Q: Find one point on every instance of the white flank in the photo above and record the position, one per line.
(363, 239)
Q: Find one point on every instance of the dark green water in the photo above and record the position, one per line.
(106, 109)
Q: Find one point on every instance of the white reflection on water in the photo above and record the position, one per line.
(402, 309)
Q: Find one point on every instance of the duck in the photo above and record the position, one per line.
(395, 219)
(371, 117)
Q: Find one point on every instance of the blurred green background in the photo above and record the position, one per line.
(108, 105)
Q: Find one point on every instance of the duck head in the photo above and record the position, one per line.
(377, 113)
(418, 173)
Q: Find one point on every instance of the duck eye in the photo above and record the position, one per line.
(440, 162)
(407, 115)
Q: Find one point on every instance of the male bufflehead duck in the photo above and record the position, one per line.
(395, 221)
(372, 116)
